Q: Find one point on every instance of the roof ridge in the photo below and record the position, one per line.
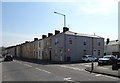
(84, 34)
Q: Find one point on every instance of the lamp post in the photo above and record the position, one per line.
(64, 17)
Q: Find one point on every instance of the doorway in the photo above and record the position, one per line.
(50, 55)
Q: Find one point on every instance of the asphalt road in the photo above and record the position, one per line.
(27, 71)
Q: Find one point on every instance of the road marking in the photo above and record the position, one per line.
(111, 77)
(38, 69)
(17, 61)
(46, 71)
(87, 65)
(42, 70)
(104, 68)
(98, 75)
(74, 68)
(68, 79)
(27, 65)
(106, 76)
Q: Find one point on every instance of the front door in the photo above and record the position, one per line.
(50, 55)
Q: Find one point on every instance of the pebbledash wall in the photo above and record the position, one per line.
(65, 46)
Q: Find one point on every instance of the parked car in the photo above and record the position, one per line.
(87, 58)
(106, 60)
(8, 57)
(118, 59)
(96, 59)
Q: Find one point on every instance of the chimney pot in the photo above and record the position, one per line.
(57, 32)
(44, 36)
(35, 39)
(65, 29)
(50, 34)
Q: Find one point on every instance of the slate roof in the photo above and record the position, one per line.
(81, 34)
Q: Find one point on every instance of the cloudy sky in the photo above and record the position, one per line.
(22, 20)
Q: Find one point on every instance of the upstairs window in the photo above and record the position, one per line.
(34, 46)
(98, 43)
(84, 42)
(39, 44)
(70, 41)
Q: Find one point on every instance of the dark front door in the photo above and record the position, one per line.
(50, 55)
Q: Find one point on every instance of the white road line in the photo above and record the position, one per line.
(18, 62)
(106, 76)
(68, 79)
(104, 68)
(42, 70)
(74, 68)
(99, 75)
(111, 77)
(38, 69)
(87, 65)
(27, 65)
(46, 71)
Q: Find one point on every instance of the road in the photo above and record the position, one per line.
(18, 70)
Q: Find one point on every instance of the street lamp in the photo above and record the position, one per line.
(64, 17)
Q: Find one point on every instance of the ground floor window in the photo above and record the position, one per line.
(84, 52)
(98, 52)
(39, 53)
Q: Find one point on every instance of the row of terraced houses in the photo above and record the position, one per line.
(60, 46)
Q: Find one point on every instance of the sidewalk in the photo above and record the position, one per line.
(106, 70)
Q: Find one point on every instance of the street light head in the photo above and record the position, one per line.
(55, 12)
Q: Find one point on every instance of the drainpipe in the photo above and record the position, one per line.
(92, 64)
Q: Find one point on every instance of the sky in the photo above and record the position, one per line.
(25, 20)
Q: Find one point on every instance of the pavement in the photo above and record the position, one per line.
(106, 70)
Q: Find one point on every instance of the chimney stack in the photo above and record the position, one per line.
(65, 29)
(57, 31)
(44, 36)
(26, 41)
(35, 39)
(50, 34)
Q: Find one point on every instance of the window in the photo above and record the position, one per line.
(39, 44)
(98, 52)
(70, 41)
(84, 52)
(98, 43)
(56, 41)
(84, 42)
(34, 53)
(39, 53)
(34, 46)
